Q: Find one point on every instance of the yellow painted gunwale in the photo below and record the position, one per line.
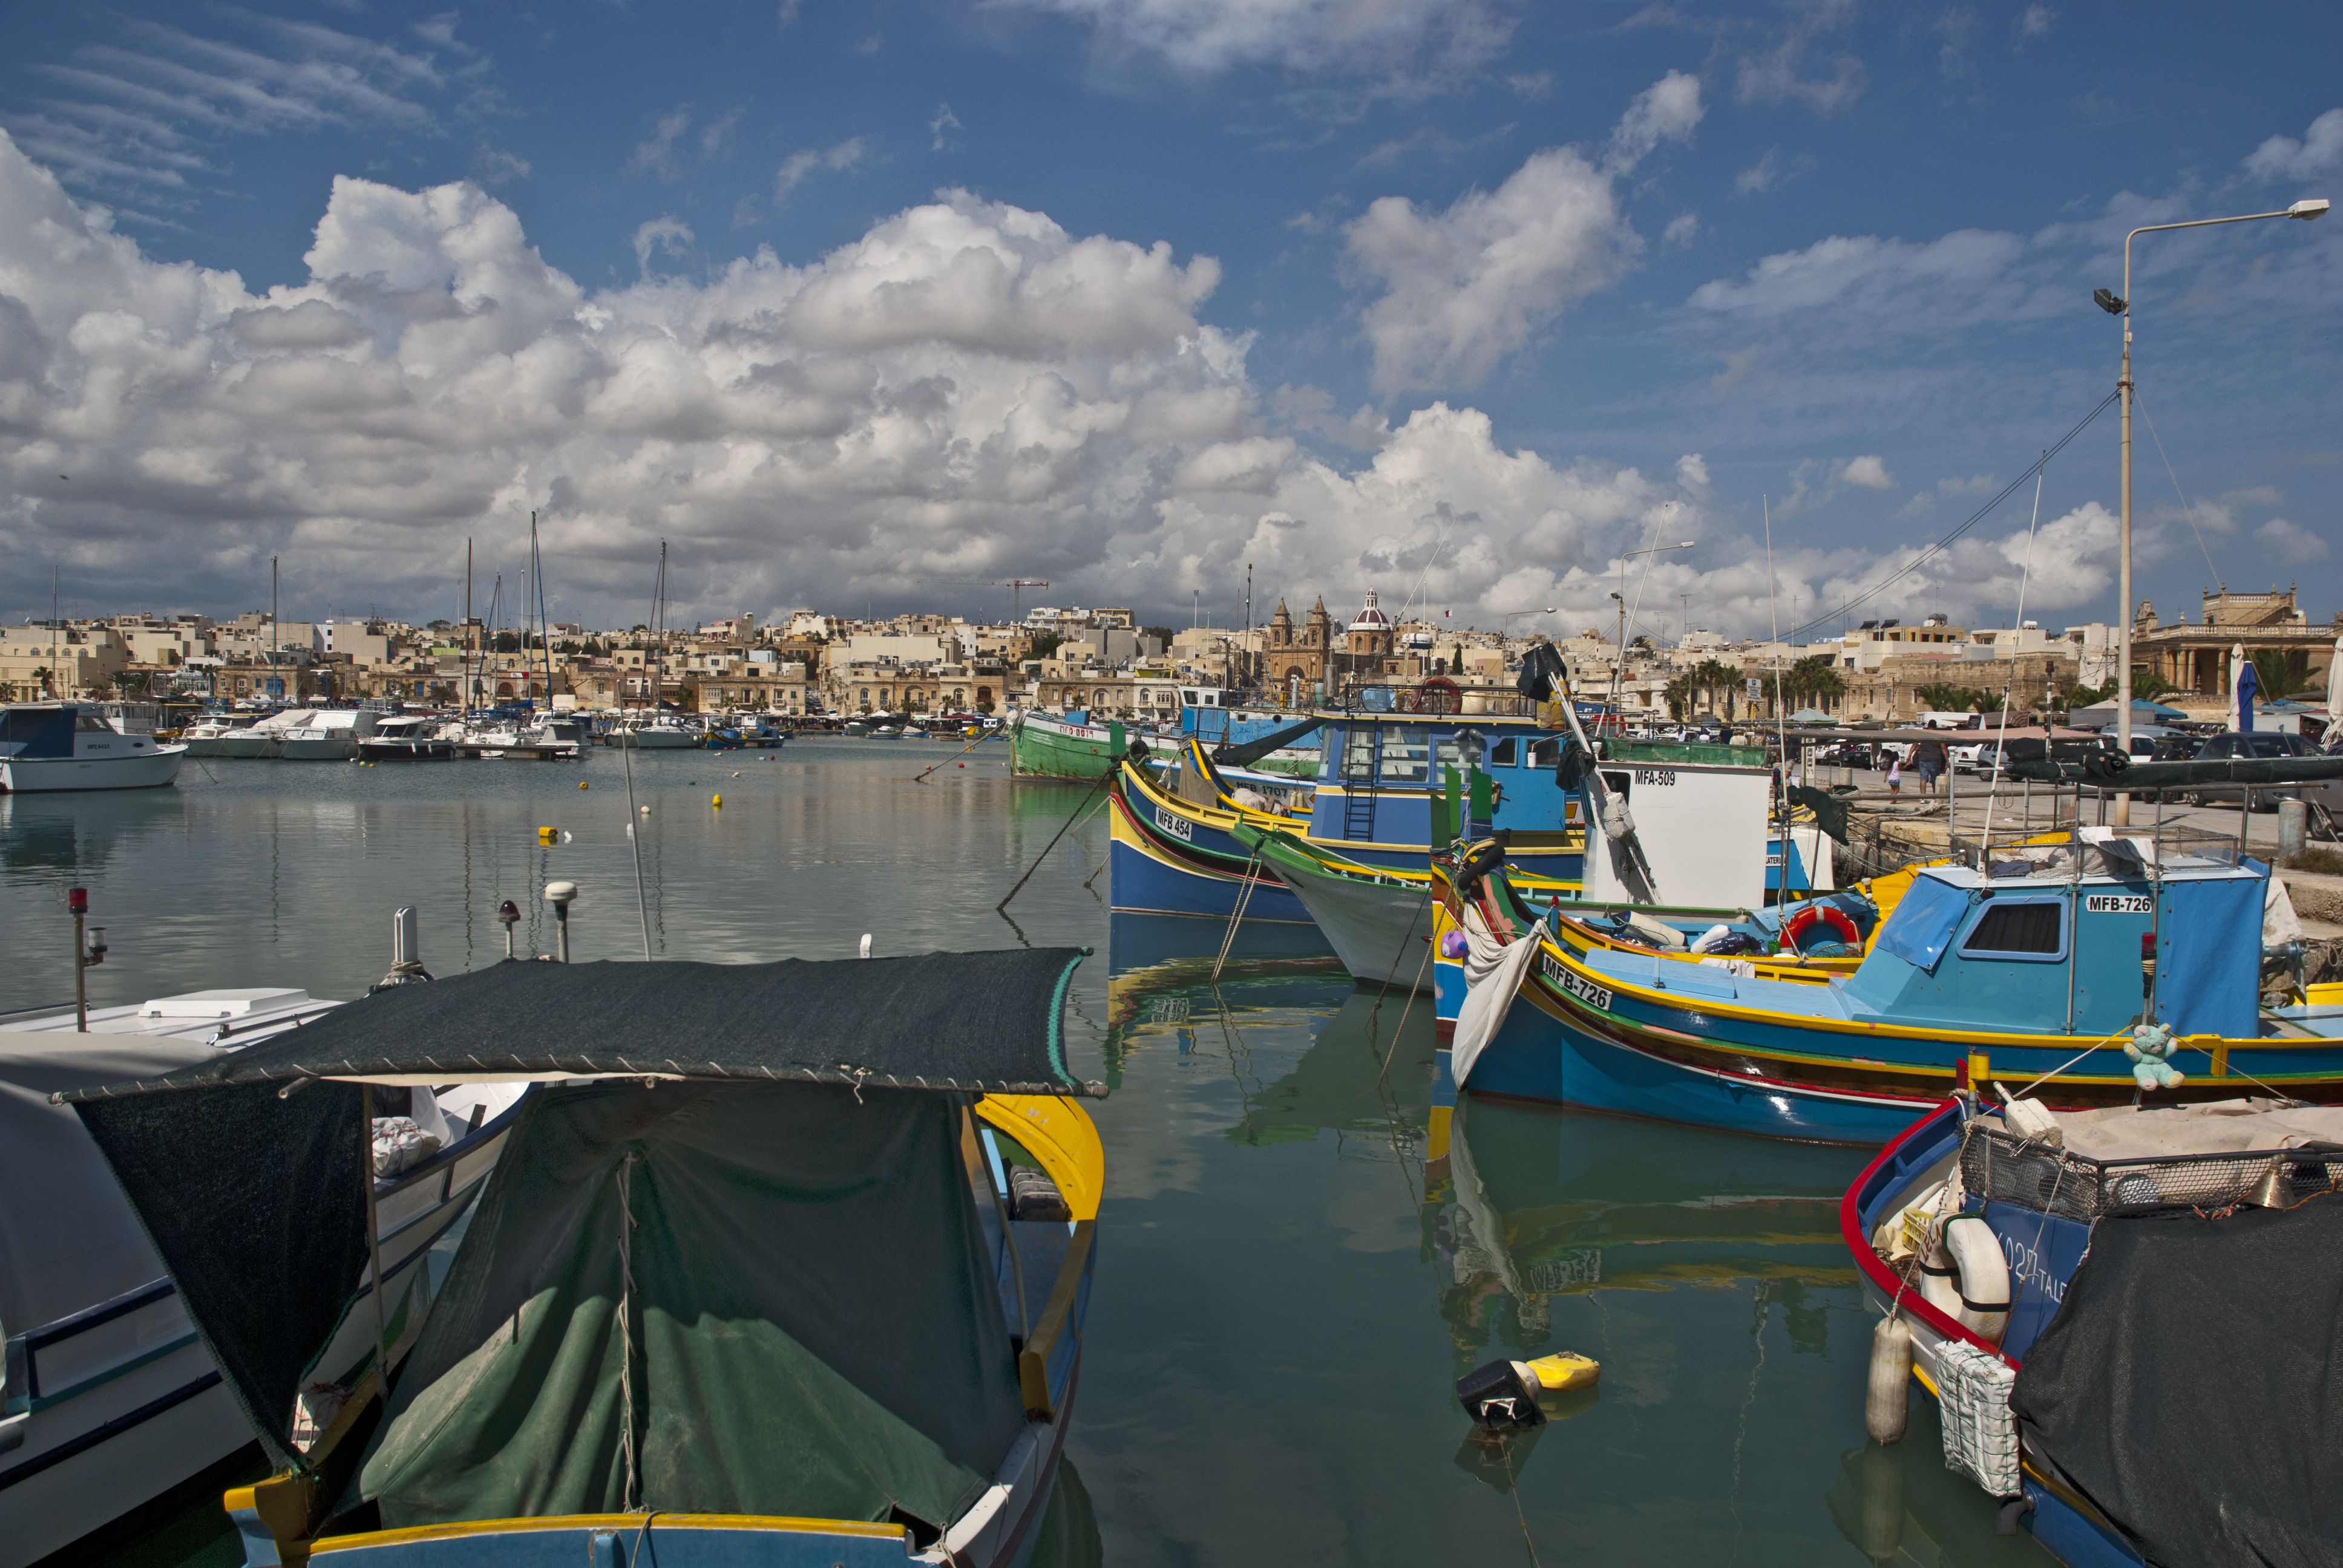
(774, 1523)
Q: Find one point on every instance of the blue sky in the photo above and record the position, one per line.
(1451, 298)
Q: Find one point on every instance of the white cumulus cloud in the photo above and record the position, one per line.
(1867, 473)
(2284, 158)
(1463, 287)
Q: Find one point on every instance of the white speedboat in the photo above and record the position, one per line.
(554, 737)
(406, 739)
(223, 736)
(61, 746)
(112, 1404)
(321, 735)
(661, 734)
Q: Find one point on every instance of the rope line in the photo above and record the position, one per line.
(1941, 546)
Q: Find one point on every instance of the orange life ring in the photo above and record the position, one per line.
(1809, 915)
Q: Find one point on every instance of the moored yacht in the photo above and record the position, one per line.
(64, 746)
(406, 739)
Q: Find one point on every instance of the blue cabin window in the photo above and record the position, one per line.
(1461, 751)
(1407, 756)
(2033, 928)
(1508, 753)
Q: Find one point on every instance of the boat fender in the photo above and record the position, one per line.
(1887, 1397)
(1840, 924)
(1965, 1275)
(1565, 1372)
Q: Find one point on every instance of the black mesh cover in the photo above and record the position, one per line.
(939, 1020)
(255, 1205)
(2189, 1385)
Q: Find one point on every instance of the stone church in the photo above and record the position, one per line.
(1314, 655)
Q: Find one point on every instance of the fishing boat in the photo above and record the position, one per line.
(115, 1411)
(785, 1263)
(2035, 969)
(1068, 747)
(406, 739)
(2124, 1318)
(70, 746)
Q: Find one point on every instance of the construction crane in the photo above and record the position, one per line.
(1016, 586)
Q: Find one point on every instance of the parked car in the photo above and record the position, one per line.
(2260, 743)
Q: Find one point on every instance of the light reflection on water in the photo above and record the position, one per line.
(1298, 1255)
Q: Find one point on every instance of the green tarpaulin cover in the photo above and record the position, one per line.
(814, 1330)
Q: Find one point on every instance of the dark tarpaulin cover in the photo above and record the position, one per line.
(2189, 1384)
(255, 1205)
(817, 1330)
(939, 1020)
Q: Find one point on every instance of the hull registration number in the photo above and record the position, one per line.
(1585, 990)
(2120, 903)
(1179, 828)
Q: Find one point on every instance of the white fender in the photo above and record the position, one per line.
(1965, 1277)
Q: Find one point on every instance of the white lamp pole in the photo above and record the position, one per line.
(2310, 208)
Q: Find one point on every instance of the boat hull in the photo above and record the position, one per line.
(56, 775)
(1043, 749)
(406, 750)
(312, 749)
(1381, 930)
(1148, 874)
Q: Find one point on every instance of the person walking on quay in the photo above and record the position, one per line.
(1929, 758)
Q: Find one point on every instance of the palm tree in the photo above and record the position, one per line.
(2280, 672)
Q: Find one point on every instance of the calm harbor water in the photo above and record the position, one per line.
(1297, 1257)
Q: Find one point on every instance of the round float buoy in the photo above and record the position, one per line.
(1840, 924)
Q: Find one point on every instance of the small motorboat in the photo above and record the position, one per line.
(671, 1318)
(112, 1404)
(47, 747)
(406, 739)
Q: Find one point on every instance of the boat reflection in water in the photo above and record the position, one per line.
(1525, 1204)
(1900, 1505)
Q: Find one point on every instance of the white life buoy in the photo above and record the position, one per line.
(1965, 1276)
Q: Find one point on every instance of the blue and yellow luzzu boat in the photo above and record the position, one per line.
(2034, 973)
(1174, 849)
(784, 1264)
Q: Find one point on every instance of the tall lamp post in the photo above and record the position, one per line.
(2120, 304)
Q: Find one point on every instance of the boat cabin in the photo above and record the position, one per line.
(1969, 950)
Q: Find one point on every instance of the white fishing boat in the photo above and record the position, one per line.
(67, 746)
(114, 1412)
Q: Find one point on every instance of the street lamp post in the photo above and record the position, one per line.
(2121, 305)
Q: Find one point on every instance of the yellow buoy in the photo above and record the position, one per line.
(1565, 1370)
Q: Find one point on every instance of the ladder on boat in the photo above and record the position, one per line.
(1358, 791)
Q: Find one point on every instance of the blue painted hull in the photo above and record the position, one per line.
(1541, 1058)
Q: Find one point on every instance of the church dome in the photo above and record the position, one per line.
(1370, 617)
